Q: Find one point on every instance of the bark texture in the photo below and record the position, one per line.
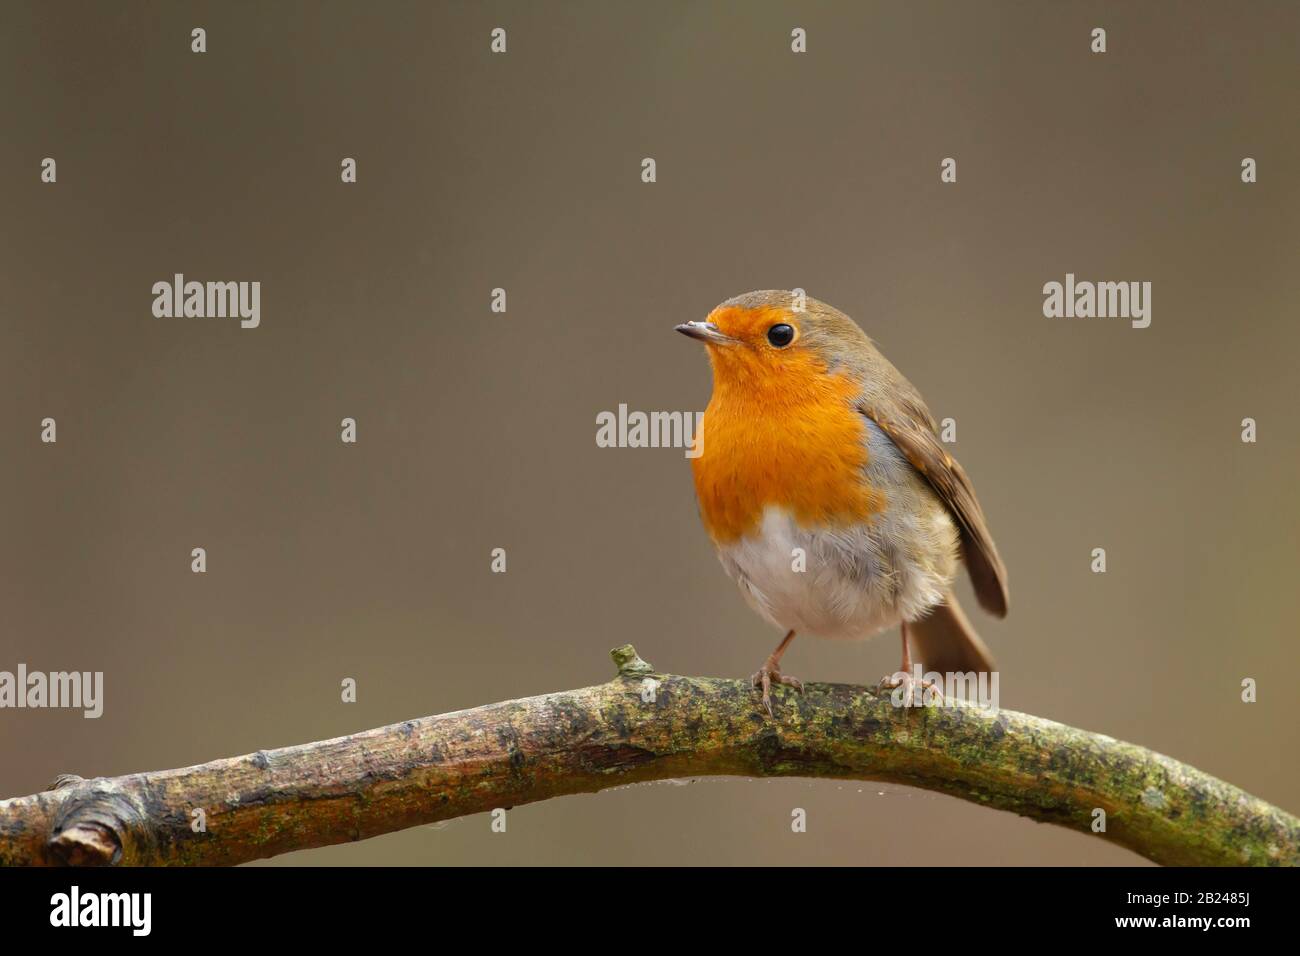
(581, 741)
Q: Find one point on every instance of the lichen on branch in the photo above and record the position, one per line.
(640, 726)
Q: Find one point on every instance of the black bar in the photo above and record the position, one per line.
(265, 904)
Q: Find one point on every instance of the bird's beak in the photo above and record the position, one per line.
(705, 332)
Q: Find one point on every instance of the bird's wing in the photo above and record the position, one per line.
(907, 422)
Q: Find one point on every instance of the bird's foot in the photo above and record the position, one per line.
(770, 674)
(916, 693)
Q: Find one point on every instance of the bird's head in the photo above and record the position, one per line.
(779, 340)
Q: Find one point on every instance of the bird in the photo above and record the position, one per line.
(827, 493)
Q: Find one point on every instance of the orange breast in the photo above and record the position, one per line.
(793, 440)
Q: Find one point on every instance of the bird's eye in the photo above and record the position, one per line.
(781, 335)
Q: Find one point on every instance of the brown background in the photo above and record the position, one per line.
(477, 430)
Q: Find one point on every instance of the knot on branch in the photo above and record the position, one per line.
(94, 822)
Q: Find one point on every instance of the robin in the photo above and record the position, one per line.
(826, 491)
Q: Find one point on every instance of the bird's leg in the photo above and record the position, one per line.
(891, 681)
(771, 671)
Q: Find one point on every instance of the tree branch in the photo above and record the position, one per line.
(586, 740)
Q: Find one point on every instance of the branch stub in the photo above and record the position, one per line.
(629, 662)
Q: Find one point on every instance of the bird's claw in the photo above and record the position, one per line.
(915, 694)
(766, 675)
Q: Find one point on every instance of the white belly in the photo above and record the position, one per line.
(853, 583)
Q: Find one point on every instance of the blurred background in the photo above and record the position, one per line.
(477, 430)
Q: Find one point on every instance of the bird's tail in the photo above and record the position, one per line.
(944, 641)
